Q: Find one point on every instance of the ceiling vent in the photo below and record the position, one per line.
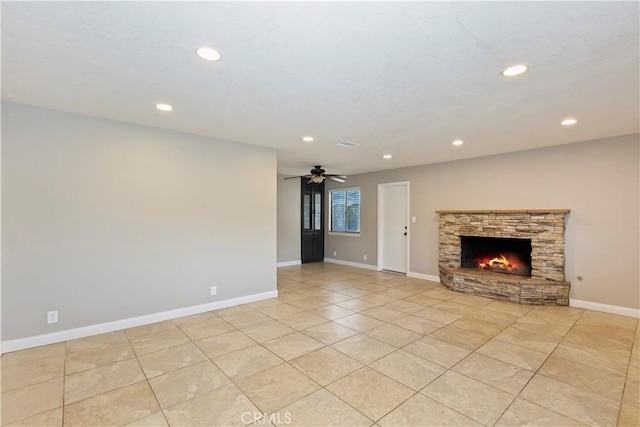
(348, 144)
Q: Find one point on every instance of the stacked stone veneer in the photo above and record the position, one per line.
(545, 228)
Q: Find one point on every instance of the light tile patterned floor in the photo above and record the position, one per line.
(345, 347)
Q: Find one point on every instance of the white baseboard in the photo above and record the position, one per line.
(424, 276)
(288, 263)
(101, 328)
(351, 264)
(373, 267)
(613, 309)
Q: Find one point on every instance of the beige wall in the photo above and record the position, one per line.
(598, 180)
(288, 219)
(104, 220)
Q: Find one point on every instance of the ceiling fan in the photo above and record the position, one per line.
(318, 175)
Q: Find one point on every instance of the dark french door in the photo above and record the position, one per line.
(312, 222)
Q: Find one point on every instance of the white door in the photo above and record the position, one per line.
(393, 226)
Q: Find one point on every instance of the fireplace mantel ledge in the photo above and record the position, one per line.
(505, 211)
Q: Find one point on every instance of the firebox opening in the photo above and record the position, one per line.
(498, 254)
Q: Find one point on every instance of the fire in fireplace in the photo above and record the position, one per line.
(498, 254)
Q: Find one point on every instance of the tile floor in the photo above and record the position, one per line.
(340, 346)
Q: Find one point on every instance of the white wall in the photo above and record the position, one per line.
(288, 219)
(104, 220)
(598, 180)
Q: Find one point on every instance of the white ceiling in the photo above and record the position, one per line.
(399, 78)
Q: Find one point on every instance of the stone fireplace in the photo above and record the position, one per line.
(514, 255)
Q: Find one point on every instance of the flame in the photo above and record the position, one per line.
(511, 263)
(498, 263)
(501, 262)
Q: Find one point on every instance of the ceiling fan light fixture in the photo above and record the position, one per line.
(316, 179)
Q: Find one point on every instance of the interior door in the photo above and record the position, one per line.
(312, 230)
(393, 227)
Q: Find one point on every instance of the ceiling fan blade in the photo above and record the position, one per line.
(299, 176)
(337, 179)
(337, 176)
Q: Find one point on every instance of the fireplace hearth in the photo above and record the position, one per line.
(514, 255)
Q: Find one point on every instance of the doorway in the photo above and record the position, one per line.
(393, 227)
(312, 226)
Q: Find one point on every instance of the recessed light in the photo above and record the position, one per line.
(458, 142)
(568, 122)
(307, 138)
(208, 54)
(164, 107)
(387, 156)
(515, 70)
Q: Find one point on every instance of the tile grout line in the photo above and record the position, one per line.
(284, 362)
(146, 379)
(325, 387)
(414, 392)
(231, 381)
(450, 369)
(64, 382)
(123, 386)
(626, 377)
(536, 372)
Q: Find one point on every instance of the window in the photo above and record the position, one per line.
(344, 210)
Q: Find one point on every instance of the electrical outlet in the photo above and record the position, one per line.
(364, 257)
(52, 317)
(214, 290)
(335, 253)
